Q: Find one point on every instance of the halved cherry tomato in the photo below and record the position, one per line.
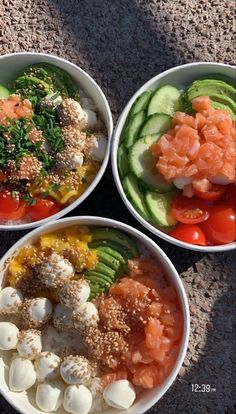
(190, 210)
(220, 228)
(229, 197)
(213, 194)
(43, 208)
(11, 208)
(189, 233)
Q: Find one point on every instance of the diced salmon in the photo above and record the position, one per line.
(201, 103)
(13, 108)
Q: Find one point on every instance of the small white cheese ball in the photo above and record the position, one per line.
(74, 293)
(47, 366)
(85, 315)
(75, 370)
(10, 299)
(22, 375)
(120, 394)
(77, 160)
(77, 399)
(29, 343)
(55, 270)
(71, 112)
(97, 148)
(62, 316)
(49, 396)
(90, 118)
(8, 336)
(37, 311)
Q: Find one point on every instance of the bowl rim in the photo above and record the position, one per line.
(114, 148)
(101, 171)
(93, 220)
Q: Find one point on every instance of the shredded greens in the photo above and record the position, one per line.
(46, 120)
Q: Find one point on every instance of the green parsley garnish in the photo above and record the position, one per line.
(55, 187)
(31, 201)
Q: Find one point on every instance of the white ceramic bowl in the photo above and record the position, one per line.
(24, 402)
(11, 65)
(179, 76)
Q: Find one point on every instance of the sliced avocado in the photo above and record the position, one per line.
(114, 253)
(4, 92)
(218, 105)
(110, 261)
(104, 269)
(129, 245)
(220, 76)
(225, 101)
(98, 277)
(208, 87)
(112, 245)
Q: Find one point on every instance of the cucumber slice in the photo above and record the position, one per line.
(134, 195)
(142, 164)
(122, 161)
(159, 207)
(140, 103)
(4, 92)
(165, 100)
(133, 127)
(155, 124)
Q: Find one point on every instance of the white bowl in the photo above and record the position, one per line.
(179, 76)
(24, 402)
(11, 65)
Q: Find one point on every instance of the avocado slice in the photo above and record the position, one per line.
(219, 105)
(209, 87)
(105, 233)
(112, 245)
(114, 253)
(220, 76)
(104, 269)
(98, 277)
(110, 261)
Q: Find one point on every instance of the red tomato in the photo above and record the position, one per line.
(220, 228)
(190, 210)
(229, 197)
(43, 208)
(189, 233)
(11, 208)
(213, 194)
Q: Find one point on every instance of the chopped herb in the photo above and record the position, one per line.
(45, 194)
(14, 194)
(84, 179)
(47, 121)
(31, 201)
(55, 187)
(88, 133)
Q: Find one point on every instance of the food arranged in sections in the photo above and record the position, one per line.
(177, 160)
(52, 144)
(90, 320)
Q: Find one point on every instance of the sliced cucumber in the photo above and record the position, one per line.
(159, 207)
(140, 103)
(122, 161)
(4, 92)
(134, 195)
(142, 164)
(155, 124)
(133, 127)
(165, 100)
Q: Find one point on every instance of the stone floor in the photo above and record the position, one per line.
(122, 44)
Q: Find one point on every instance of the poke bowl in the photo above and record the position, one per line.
(173, 156)
(55, 130)
(93, 318)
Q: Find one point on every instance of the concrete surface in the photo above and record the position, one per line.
(122, 44)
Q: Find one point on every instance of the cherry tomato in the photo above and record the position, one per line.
(190, 210)
(213, 194)
(189, 233)
(220, 228)
(43, 208)
(11, 208)
(229, 197)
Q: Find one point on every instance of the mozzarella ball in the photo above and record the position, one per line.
(62, 317)
(96, 148)
(85, 315)
(90, 118)
(47, 366)
(37, 311)
(77, 399)
(29, 343)
(49, 396)
(74, 293)
(70, 112)
(8, 336)
(120, 394)
(21, 374)
(10, 299)
(55, 270)
(75, 370)
(181, 182)
(77, 160)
